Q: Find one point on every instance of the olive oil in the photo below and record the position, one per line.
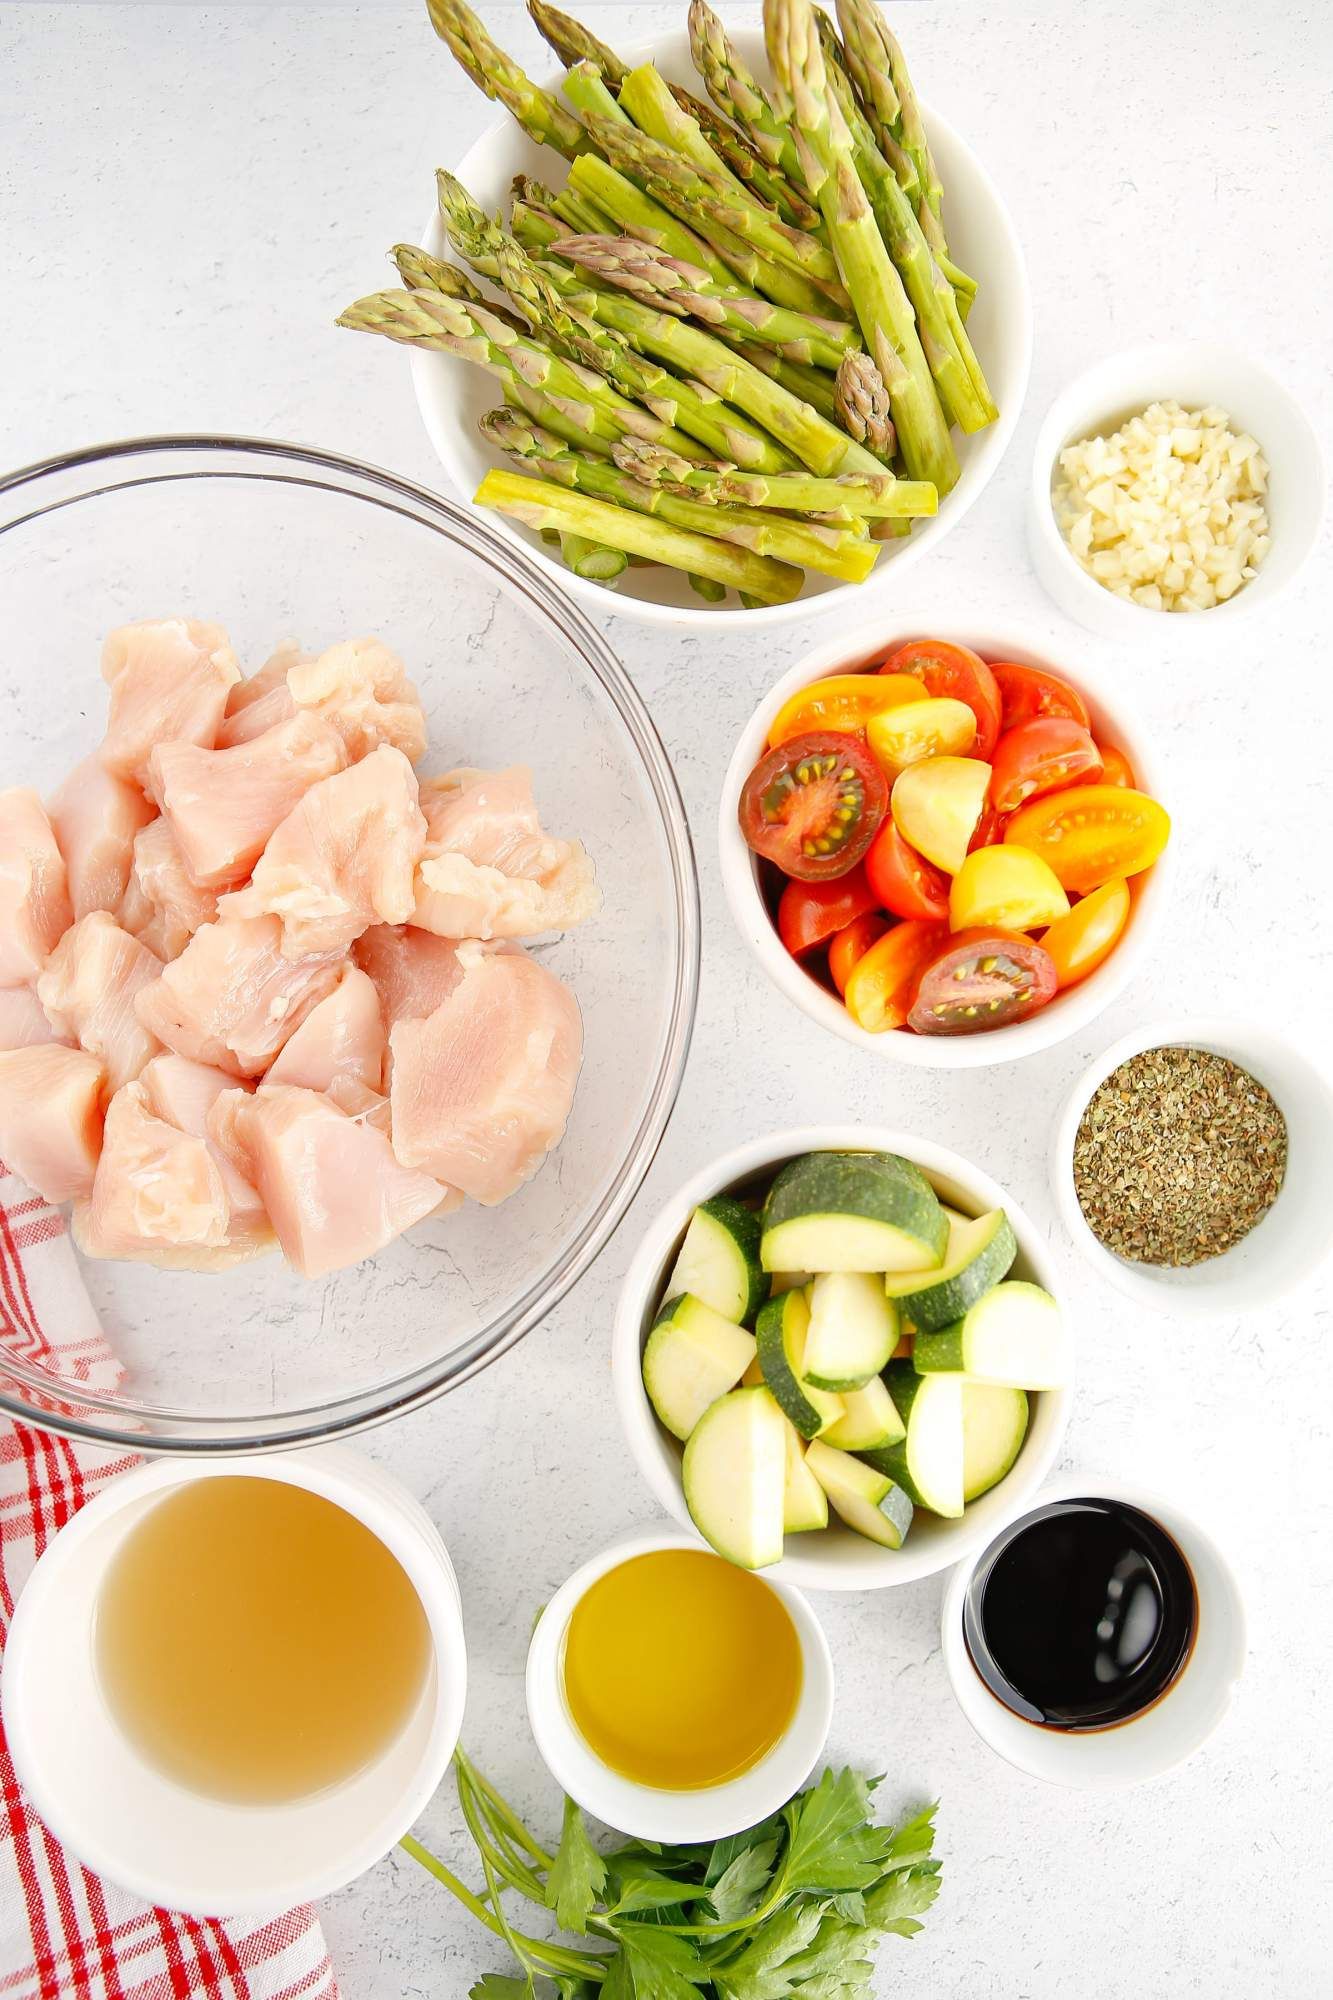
(256, 1642)
(681, 1671)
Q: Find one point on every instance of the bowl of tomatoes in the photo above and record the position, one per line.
(945, 841)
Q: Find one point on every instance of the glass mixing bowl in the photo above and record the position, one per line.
(274, 541)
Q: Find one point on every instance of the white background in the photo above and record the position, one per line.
(188, 196)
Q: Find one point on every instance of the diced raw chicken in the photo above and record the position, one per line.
(412, 970)
(158, 1195)
(362, 1101)
(89, 989)
(341, 1038)
(35, 908)
(162, 905)
(231, 999)
(224, 804)
(183, 1093)
(51, 1118)
(363, 690)
(332, 1187)
(256, 704)
(169, 680)
(24, 1022)
(489, 870)
(95, 817)
(481, 1088)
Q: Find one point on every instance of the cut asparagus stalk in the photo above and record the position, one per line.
(705, 587)
(863, 405)
(591, 560)
(588, 92)
(645, 98)
(876, 496)
(813, 385)
(542, 116)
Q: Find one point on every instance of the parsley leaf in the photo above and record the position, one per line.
(832, 1843)
(914, 1840)
(723, 1852)
(644, 1888)
(737, 1889)
(895, 1903)
(500, 1986)
(761, 1972)
(654, 1964)
(577, 1874)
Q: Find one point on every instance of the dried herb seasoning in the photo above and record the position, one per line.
(1177, 1157)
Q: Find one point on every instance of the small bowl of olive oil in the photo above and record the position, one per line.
(675, 1696)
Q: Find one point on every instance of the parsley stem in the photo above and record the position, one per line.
(500, 1812)
(550, 1957)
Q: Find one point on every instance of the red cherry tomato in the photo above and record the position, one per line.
(982, 979)
(1027, 692)
(813, 805)
(1043, 755)
(958, 672)
(989, 830)
(810, 913)
(903, 881)
(850, 946)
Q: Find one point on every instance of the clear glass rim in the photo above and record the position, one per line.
(101, 1419)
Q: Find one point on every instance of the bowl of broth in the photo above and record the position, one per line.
(233, 1687)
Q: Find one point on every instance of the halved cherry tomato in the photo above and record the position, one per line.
(1115, 769)
(813, 805)
(842, 702)
(809, 913)
(1043, 755)
(902, 880)
(881, 984)
(989, 831)
(981, 979)
(852, 944)
(1027, 692)
(936, 806)
(958, 672)
(1092, 833)
(1009, 888)
(1080, 942)
(937, 726)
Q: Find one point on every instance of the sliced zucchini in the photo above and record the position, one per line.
(995, 1423)
(691, 1357)
(734, 1475)
(719, 1260)
(804, 1501)
(980, 1250)
(753, 1378)
(1014, 1338)
(869, 1419)
(928, 1461)
(853, 1329)
(788, 1281)
(781, 1332)
(866, 1500)
(852, 1212)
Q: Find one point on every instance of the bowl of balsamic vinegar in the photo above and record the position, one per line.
(1097, 1638)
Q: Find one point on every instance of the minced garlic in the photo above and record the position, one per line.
(1168, 512)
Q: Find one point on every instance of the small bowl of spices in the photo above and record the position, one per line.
(1187, 1166)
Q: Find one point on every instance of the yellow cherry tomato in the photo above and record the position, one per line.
(936, 806)
(1080, 942)
(1008, 886)
(938, 726)
(1092, 834)
(844, 701)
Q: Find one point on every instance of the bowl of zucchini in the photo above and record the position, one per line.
(838, 1357)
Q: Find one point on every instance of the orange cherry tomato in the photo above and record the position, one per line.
(1115, 769)
(852, 944)
(903, 881)
(989, 831)
(843, 701)
(958, 672)
(879, 990)
(1043, 755)
(1092, 834)
(1027, 692)
(980, 979)
(810, 913)
(1080, 942)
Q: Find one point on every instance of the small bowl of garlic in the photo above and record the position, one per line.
(1175, 477)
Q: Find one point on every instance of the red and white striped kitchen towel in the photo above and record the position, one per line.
(64, 1934)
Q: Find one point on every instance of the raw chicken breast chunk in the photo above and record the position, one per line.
(169, 681)
(340, 1039)
(489, 870)
(51, 1118)
(223, 805)
(412, 970)
(157, 1196)
(481, 1088)
(24, 1022)
(254, 705)
(95, 817)
(231, 999)
(343, 858)
(363, 690)
(35, 908)
(183, 1093)
(162, 905)
(89, 988)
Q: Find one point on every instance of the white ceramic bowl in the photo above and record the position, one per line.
(452, 396)
(1195, 373)
(1114, 724)
(131, 1824)
(1286, 1249)
(642, 1810)
(834, 1558)
(1110, 1760)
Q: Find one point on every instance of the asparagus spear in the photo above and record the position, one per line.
(705, 587)
(659, 111)
(879, 72)
(587, 90)
(811, 545)
(538, 504)
(574, 43)
(813, 385)
(863, 405)
(421, 272)
(542, 116)
(882, 306)
(639, 215)
(592, 560)
(872, 495)
(737, 92)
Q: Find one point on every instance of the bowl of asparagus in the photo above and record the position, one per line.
(749, 326)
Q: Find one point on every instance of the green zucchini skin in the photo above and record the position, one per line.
(735, 1234)
(880, 1195)
(780, 1335)
(900, 1461)
(939, 1302)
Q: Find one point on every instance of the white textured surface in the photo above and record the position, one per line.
(189, 196)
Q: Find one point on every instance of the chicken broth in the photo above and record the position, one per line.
(257, 1643)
